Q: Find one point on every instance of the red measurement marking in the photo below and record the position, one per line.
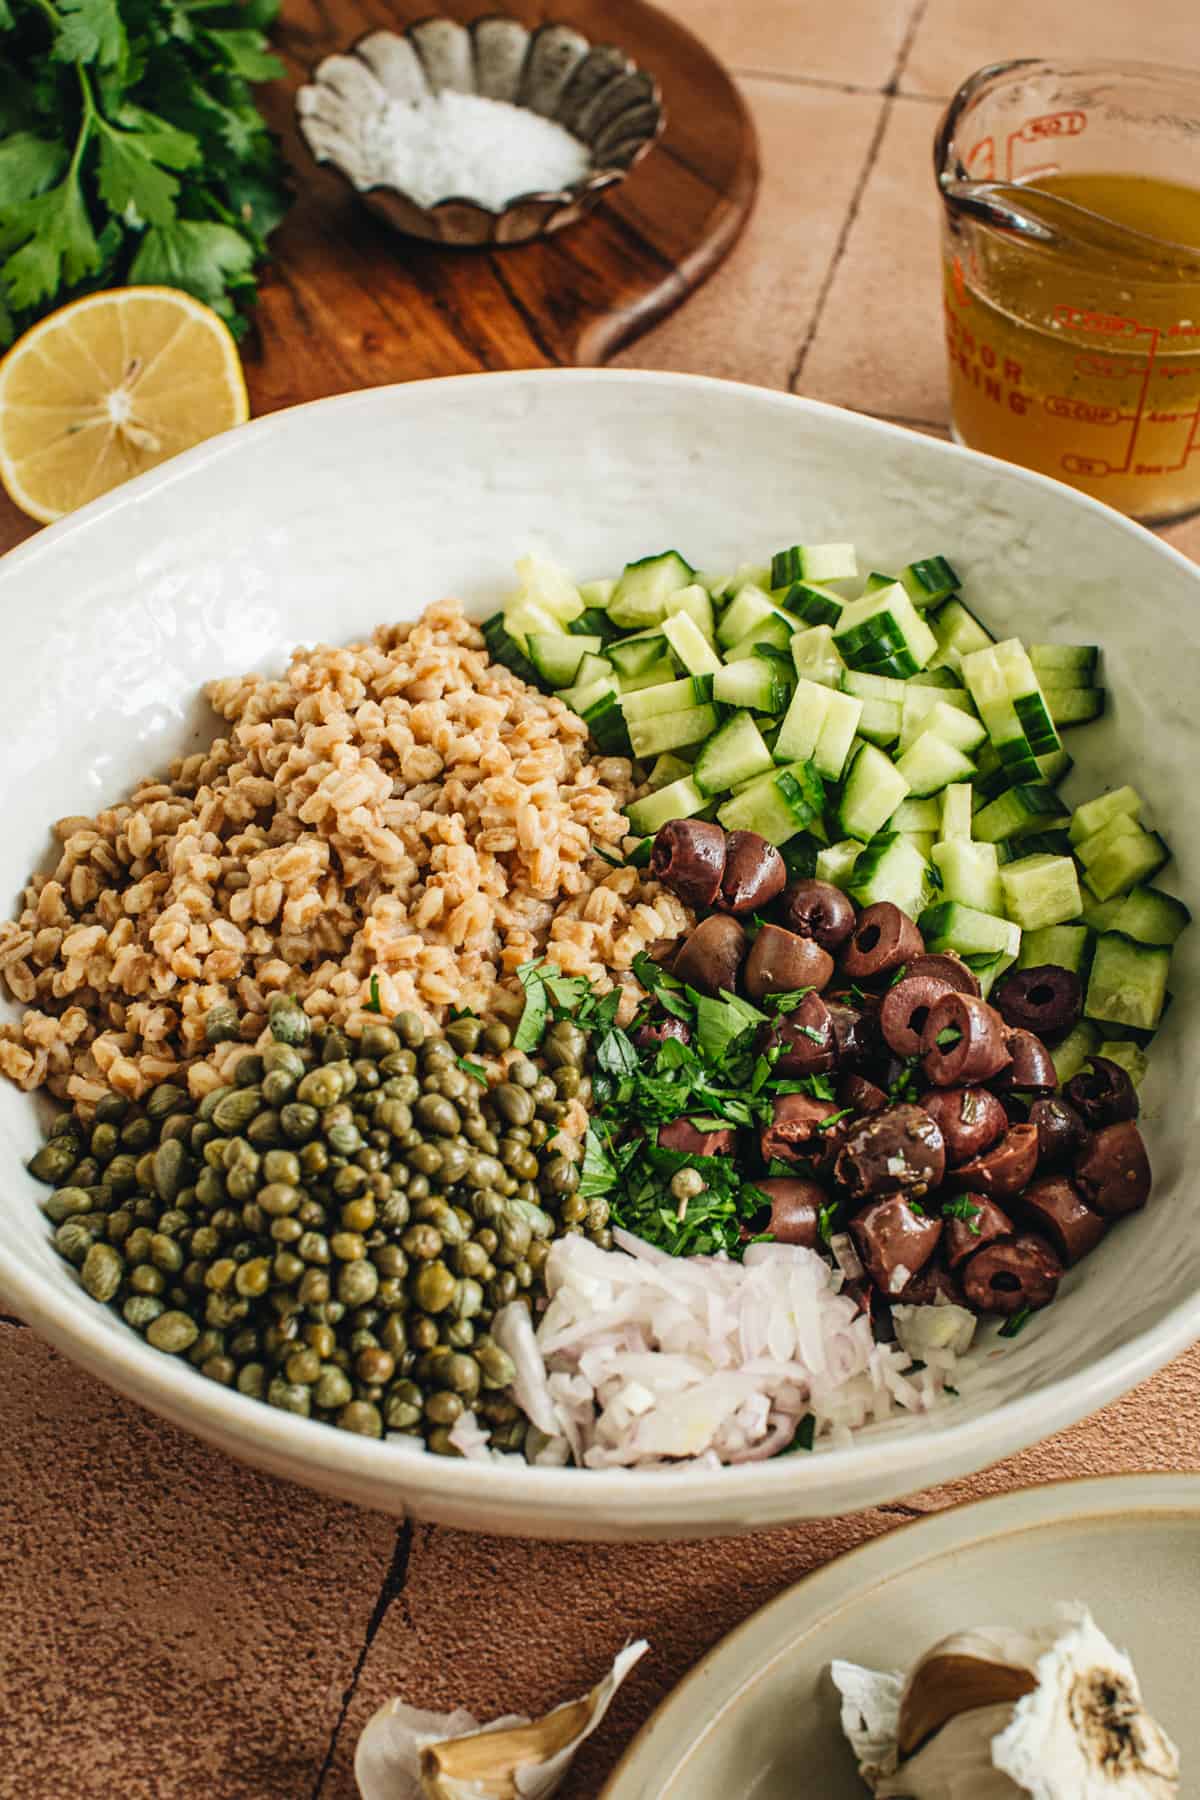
(1080, 318)
(1086, 465)
(1183, 330)
(1046, 125)
(960, 282)
(981, 159)
(1085, 412)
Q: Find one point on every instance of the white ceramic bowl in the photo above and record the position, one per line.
(321, 521)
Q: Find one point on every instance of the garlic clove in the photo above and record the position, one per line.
(963, 1672)
(957, 1764)
(406, 1754)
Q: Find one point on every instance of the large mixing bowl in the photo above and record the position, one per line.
(322, 521)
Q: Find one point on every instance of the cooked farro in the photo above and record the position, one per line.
(403, 808)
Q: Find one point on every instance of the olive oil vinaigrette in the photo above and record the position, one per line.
(1086, 365)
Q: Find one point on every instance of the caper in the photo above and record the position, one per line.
(252, 1380)
(288, 1021)
(525, 1073)
(277, 1088)
(433, 1112)
(58, 1157)
(74, 1239)
(332, 1389)
(362, 1417)
(320, 1088)
(290, 1396)
(141, 1310)
(111, 1109)
(464, 1034)
(411, 1028)
(567, 1080)
(221, 1024)
(573, 1209)
(237, 1108)
(402, 1409)
(173, 1332)
(357, 1283)
(65, 1202)
(456, 1159)
(496, 1038)
(102, 1272)
(434, 1287)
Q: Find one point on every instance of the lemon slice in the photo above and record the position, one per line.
(108, 387)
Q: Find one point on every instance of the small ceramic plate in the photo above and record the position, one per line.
(759, 1716)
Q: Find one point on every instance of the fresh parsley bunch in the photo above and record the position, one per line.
(131, 150)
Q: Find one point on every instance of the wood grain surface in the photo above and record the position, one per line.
(348, 303)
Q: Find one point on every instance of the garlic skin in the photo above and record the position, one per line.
(407, 1754)
(998, 1714)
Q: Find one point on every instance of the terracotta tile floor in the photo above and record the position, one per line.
(176, 1627)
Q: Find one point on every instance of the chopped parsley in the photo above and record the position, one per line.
(964, 1208)
(950, 1034)
(788, 1002)
(475, 1070)
(826, 1218)
(1014, 1326)
(805, 1436)
(373, 1004)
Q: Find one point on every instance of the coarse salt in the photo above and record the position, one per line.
(467, 147)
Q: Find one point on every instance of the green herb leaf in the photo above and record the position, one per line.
(786, 1003)
(244, 53)
(964, 1208)
(201, 257)
(826, 1219)
(617, 862)
(373, 1004)
(57, 241)
(537, 1006)
(1012, 1327)
(720, 1023)
(616, 1055)
(132, 183)
(475, 1070)
(28, 165)
(805, 1437)
(950, 1034)
(91, 31)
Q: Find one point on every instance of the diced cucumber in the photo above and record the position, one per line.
(874, 687)
(1101, 915)
(1017, 812)
(690, 644)
(777, 805)
(542, 583)
(882, 625)
(1128, 983)
(680, 799)
(873, 790)
(1128, 1056)
(694, 601)
(642, 596)
(1005, 690)
(955, 820)
(836, 862)
(745, 575)
(1065, 665)
(970, 874)
(958, 632)
(891, 868)
(749, 607)
(876, 580)
(916, 815)
(754, 683)
(816, 657)
(1151, 917)
(670, 696)
(596, 594)
(1093, 848)
(802, 722)
(879, 721)
(993, 779)
(1127, 861)
(1056, 766)
(667, 769)
(920, 702)
(671, 731)
(800, 856)
(502, 647)
(1071, 1055)
(594, 623)
(735, 753)
(1064, 946)
(953, 726)
(1041, 891)
(931, 763)
(657, 675)
(1035, 843)
(941, 677)
(1095, 814)
(774, 633)
(630, 655)
(1073, 705)
(813, 562)
(585, 694)
(592, 669)
(922, 841)
(606, 723)
(816, 606)
(929, 581)
(950, 925)
(842, 715)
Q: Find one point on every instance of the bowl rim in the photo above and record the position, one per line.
(599, 179)
(174, 1390)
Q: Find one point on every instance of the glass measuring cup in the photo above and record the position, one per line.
(1071, 249)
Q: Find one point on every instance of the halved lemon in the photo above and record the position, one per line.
(109, 386)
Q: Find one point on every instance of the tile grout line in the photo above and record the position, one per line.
(390, 1588)
(829, 84)
(860, 187)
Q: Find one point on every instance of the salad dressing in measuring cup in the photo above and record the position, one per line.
(1072, 276)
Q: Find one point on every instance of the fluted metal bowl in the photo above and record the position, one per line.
(594, 90)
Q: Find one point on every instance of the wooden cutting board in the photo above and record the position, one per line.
(348, 304)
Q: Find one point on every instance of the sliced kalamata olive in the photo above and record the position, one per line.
(795, 1131)
(697, 1137)
(1055, 1206)
(1007, 1276)
(1102, 1094)
(895, 1240)
(900, 1149)
(1032, 1068)
(754, 873)
(1044, 999)
(883, 938)
(948, 968)
(712, 955)
(967, 1231)
(861, 1095)
(933, 1286)
(689, 858)
(1113, 1170)
(970, 1120)
(818, 910)
(1003, 1171)
(780, 962)
(795, 1210)
(963, 1041)
(856, 1036)
(905, 1009)
(804, 1038)
(649, 1037)
(1060, 1130)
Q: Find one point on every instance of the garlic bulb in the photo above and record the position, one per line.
(407, 1754)
(997, 1714)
